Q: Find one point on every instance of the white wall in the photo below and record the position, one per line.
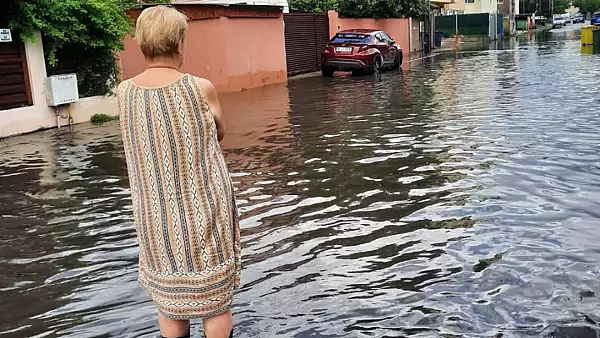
(572, 10)
(489, 6)
(27, 119)
(482, 6)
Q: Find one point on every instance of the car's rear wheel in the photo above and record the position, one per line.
(377, 65)
(327, 72)
(398, 61)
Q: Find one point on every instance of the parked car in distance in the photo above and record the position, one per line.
(578, 18)
(596, 19)
(558, 22)
(360, 50)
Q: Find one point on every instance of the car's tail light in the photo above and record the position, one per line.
(363, 49)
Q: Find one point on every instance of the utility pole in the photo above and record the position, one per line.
(511, 17)
(456, 39)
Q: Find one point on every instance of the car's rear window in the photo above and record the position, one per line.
(596, 15)
(351, 38)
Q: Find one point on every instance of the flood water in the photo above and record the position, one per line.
(459, 198)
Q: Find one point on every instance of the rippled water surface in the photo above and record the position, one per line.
(459, 198)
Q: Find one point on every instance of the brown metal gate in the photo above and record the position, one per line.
(306, 35)
(15, 89)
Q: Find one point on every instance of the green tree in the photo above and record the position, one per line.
(365, 8)
(560, 6)
(315, 6)
(587, 6)
(383, 8)
(88, 23)
(414, 8)
(542, 7)
(85, 32)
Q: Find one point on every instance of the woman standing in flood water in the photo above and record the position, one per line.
(183, 198)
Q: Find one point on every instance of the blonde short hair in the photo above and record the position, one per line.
(159, 30)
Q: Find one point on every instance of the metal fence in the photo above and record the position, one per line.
(480, 24)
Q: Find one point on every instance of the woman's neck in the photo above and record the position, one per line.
(169, 64)
(159, 73)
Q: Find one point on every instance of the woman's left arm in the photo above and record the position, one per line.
(215, 106)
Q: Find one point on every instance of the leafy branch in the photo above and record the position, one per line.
(84, 33)
(365, 8)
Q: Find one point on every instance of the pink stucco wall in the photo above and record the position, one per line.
(235, 53)
(397, 28)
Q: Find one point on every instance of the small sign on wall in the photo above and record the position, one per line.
(5, 35)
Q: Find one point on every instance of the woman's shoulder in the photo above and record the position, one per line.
(122, 87)
(201, 82)
(206, 87)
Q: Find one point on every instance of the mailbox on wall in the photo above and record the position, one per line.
(61, 89)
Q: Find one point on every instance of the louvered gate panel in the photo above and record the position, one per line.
(14, 86)
(321, 34)
(305, 37)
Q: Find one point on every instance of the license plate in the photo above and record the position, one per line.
(343, 49)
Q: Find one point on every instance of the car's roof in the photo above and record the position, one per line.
(596, 13)
(363, 31)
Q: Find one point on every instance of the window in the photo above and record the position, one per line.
(500, 2)
(351, 38)
(379, 38)
(386, 37)
(469, 1)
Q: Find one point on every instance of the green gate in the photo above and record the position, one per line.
(468, 24)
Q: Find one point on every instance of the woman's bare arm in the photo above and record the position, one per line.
(215, 106)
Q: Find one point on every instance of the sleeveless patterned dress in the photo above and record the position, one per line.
(183, 199)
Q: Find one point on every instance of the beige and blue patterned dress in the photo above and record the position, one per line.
(183, 199)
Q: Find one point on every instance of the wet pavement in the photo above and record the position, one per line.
(459, 198)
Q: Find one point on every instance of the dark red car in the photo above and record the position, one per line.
(360, 50)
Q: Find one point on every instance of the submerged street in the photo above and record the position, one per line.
(458, 198)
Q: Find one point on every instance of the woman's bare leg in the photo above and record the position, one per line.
(171, 328)
(219, 326)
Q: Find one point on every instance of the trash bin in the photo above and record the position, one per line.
(438, 39)
(589, 49)
(587, 37)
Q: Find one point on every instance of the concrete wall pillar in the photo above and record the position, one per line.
(36, 64)
(334, 22)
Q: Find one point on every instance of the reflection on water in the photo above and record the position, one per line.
(458, 198)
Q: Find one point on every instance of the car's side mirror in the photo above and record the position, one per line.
(392, 42)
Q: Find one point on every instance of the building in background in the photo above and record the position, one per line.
(453, 8)
(481, 6)
(503, 6)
